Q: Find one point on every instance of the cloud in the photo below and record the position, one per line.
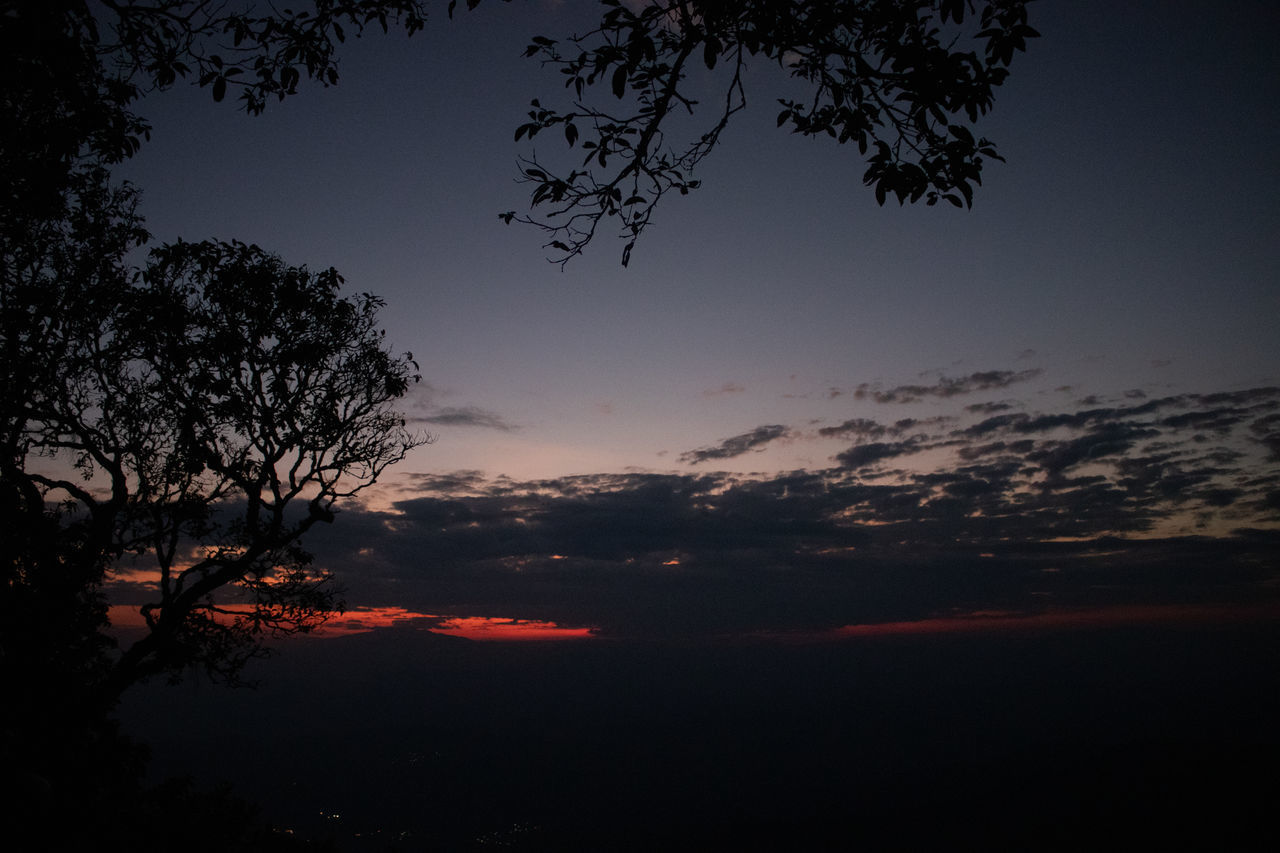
(1164, 501)
(726, 388)
(1266, 431)
(863, 455)
(737, 445)
(465, 416)
(945, 387)
(457, 481)
(860, 427)
(988, 408)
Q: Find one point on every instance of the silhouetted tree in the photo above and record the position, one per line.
(181, 427)
(197, 416)
(187, 421)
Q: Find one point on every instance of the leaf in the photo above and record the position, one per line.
(953, 9)
(570, 134)
(219, 88)
(620, 81)
(961, 133)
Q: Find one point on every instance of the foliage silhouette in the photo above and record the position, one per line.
(183, 413)
(901, 80)
(187, 421)
(904, 80)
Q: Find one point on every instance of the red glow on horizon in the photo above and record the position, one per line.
(501, 629)
(488, 628)
(126, 616)
(481, 628)
(364, 619)
(1099, 617)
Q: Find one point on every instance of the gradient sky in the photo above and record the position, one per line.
(796, 409)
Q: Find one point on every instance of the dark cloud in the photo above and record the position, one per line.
(906, 425)
(737, 445)
(863, 455)
(865, 428)
(456, 481)
(860, 427)
(1114, 439)
(1267, 432)
(988, 408)
(1168, 500)
(973, 451)
(465, 416)
(945, 386)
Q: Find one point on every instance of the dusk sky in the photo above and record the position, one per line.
(796, 410)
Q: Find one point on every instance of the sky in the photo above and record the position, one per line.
(796, 412)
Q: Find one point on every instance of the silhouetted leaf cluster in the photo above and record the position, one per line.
(261, 52)
(902, 80)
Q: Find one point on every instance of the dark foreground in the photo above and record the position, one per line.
(1138, 738)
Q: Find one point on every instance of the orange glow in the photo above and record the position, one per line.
(499, 629)
(482, 628)
(488, 628)
(364, 619)
(987, 620)
(130, 615)
(126, 616)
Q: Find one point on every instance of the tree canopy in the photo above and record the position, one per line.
(188, 421)
(175, 428)
(172, 417)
